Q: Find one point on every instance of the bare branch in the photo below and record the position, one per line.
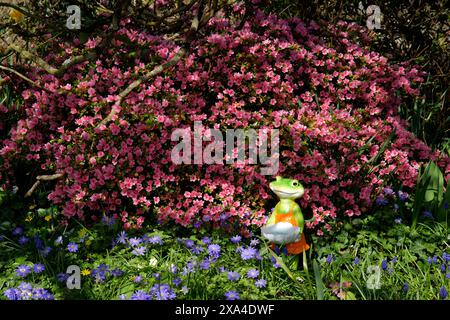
(155, 71)
(75, 60)
(158, 69)
(30, 192)
(28, 55)
(17, 73)
(49, 177)
(48, 68)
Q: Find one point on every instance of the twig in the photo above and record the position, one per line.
(155, 71)
(48, 68)
(75, 60)
(158, 69)
(49, 177)
(17, 73)
(28, 55)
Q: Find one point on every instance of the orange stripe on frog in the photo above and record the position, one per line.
(293, 247)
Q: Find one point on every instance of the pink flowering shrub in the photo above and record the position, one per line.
(334, 102)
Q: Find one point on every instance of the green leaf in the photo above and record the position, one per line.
(126, 289)
(349, 296)
(433, 182)
(320, 287)
(282, 264)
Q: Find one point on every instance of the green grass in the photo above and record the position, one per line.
(324, 278)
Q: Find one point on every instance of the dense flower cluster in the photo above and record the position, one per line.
(157, 292)
(25, 291)
(334, 102)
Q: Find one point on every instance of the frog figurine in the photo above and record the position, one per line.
(286, 224)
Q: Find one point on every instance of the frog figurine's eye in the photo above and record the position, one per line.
(295, 183)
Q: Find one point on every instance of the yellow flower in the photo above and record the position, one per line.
(16, 15)
(48, 218)
(29, 218)
(85, 272)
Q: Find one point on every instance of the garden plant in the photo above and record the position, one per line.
(93, 205)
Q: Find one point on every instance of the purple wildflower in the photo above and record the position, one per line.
(140, 295)
(23, 270)
(204, 265)
(134, 241)
(72, 247)
(443, 293)
(275, 264)
(189, 243)
(162, 292)
(197, 249)
(232, 295)
(17, 231)
(122, 237)
(382, 201)
(139, 251)
(38, 268)
(214, 250)
(248, 253)
(252, 273)
(108, 221)
(236, 239)
(12, 294)
(260, 283)
(233, 276)
(155, 240)
(206, 240)
(62, 277)
(405, 287)
(177, 281)
(402, 195)
(116, 272)
(388, 191)
(23, 240)
(172, 268)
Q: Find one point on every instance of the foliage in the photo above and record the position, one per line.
(334, 102)
(431, 195)
(412, 30)
(179, 263)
